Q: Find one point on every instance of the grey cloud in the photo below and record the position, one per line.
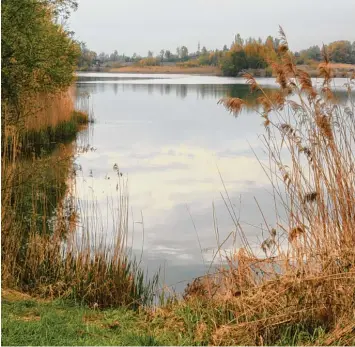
(139, 25)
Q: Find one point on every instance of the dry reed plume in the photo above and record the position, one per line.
(307, 276)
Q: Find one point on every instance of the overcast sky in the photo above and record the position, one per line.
(141, 25)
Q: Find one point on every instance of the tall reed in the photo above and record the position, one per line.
(84, 261)
(45, 252)
(304, 283)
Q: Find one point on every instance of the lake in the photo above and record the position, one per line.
(178, 150)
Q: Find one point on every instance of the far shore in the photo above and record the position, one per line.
(173, 69)
(339, 70)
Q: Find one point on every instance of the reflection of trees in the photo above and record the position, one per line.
(213, 91)
(203, 91)
(167, 88)
(181, 90)
(115, 88)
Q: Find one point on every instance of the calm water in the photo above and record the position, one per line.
(170, 139)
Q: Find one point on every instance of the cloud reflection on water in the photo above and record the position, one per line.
(170, 141)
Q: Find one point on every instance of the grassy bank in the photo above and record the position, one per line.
(339, 70)
(173, 69)
(26, 321)
(30, 321)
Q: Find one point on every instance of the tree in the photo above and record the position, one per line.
(311, 53)
(162, 52)
(114, 56)
(167, 54)
(37, 55)
(150, 54)
(225, 48)
(238, 40)
(103, 57)
(204, 59)
(233, 63)
(340, 52)
(204, 50)
(243, 55)
(269, 43)
(184, 53)
(86, 56)
(178, 52)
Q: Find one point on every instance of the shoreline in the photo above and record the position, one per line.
(339, 70)
(202, 70)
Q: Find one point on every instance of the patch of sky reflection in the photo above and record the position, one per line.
(173, 143)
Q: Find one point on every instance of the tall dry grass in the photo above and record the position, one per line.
(304, 283)
(50, 110)
(48, 247)
(78, 261)
(37, 116)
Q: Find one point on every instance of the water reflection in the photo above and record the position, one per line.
(202, 91)
(171, 141)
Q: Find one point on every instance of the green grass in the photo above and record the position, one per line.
(34, 322)
(30, 322)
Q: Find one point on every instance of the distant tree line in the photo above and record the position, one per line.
(241, 55)
(339, 52)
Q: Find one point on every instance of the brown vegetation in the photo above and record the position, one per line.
(169, 69)
(303, 286)
(191, 67)
(339, 70)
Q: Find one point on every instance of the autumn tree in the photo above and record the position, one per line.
(37, 54)
(341, 52)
